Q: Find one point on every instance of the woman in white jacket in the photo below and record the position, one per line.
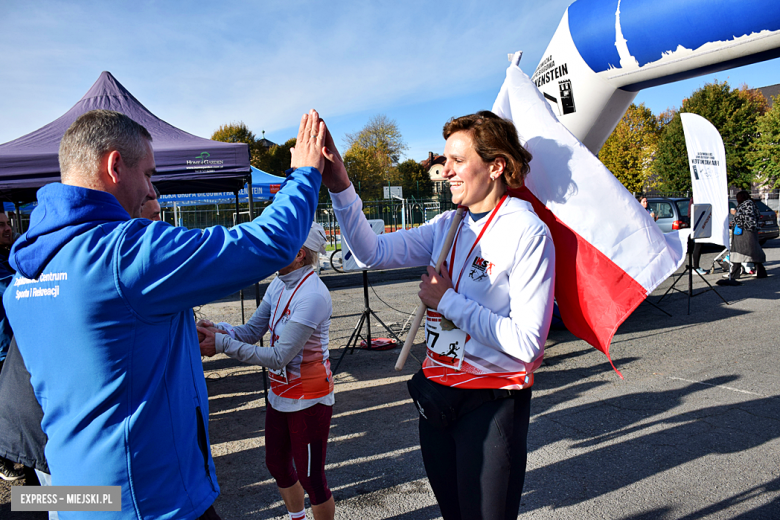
(488, 318)
(296, 309)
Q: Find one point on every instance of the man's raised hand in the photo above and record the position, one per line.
(309, 144)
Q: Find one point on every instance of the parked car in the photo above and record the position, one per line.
(767, 221)
(670, 212)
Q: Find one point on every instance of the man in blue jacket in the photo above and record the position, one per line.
(102, 310)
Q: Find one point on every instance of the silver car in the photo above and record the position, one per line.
(670, 212)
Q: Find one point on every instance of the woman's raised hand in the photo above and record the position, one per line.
(334, 177)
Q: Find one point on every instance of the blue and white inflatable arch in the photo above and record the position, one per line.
(605, 51)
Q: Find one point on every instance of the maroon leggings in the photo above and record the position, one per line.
(301, 437)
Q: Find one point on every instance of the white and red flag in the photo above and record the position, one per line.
(609, 253)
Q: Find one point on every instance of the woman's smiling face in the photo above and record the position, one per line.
(469, 176)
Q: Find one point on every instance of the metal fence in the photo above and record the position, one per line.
(396, 214)
(207, 215)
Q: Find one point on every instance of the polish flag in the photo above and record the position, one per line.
(609, 253)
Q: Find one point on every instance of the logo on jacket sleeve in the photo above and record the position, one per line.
(480, 269)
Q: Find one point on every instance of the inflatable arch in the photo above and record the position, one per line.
(605, 51)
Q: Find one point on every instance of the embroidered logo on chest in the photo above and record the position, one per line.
(480, 269)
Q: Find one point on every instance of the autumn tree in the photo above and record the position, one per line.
(665, 117)
(765, 155)
(382, 134)
(733, 112)
(372, 156)
(629, 150)
(239, 133)
(367, 170)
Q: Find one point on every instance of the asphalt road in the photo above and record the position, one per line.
(692, 432)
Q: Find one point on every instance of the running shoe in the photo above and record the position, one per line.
(8, 472)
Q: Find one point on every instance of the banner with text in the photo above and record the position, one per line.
(707, 160)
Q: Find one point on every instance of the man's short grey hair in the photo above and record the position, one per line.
(96, 133)
(311, 257)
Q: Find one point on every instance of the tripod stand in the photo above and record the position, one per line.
(689, 270)
(365, 318)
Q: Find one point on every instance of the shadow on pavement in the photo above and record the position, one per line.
(635, 436)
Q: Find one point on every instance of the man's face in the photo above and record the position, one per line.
(6, 232)
(138, 183)
(151, 210)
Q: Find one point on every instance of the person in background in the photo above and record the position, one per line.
(7, 469)
(151, 208)
(744, 242)
(643, 202)
(21, 438)
(296, 309)
(489, 313)
(6, 274)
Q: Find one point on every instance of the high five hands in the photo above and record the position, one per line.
(315, 148)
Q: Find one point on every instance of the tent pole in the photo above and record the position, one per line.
(252, 217)
(241, 291)
(18, 207)
(251, 199)
(237, 220)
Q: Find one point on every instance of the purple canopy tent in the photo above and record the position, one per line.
(185, 163)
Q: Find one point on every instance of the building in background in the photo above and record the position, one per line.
(434, 165)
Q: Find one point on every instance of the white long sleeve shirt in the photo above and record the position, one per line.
(301, 340)
(505, 298)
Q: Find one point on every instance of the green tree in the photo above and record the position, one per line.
(733, 112)
(629, 150)
(670, 166)
(765, 155)
(414, 179)
(239, 133)
(276, 159)
(234, 133)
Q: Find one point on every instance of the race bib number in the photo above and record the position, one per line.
(446, 343)
(278, 376)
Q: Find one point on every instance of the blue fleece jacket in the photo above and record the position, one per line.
(102, 311)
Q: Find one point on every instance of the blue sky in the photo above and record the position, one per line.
(201, 64)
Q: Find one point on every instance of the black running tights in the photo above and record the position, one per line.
(476, 467)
